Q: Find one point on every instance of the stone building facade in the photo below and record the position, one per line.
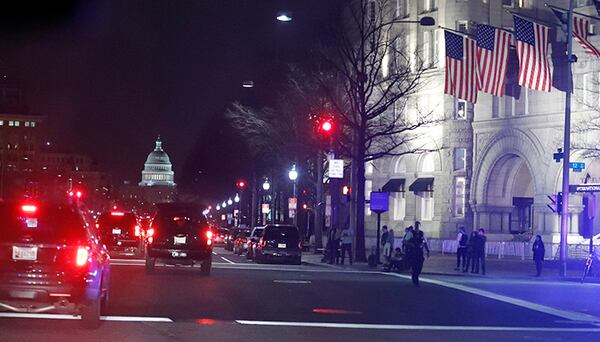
(493, 165)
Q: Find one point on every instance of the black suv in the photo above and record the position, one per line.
(52, 261)
(279, 242)
(181, 236)
(121, 232)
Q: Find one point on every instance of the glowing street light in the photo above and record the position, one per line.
(293, 174)
(284, 16)
(266, 185)
(218, 207)
(224, 204)
(229, 201)
(236, 198)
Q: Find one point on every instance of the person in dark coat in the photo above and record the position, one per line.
(471, 255)
(461, 250)
(415, 255)
(539, 252)
(480, 251)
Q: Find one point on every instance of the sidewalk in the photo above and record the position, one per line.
(506, 268)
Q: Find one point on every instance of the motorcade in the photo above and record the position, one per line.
(180, 236)
(220, 236)
(121, 232)
(52, 260)
(240, 245)
(255, 236)
(280, 242)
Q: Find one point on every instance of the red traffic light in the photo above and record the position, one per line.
(346, 190)
(326, 126)
(241, 184)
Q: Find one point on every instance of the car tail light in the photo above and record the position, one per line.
(83, 254)
(150, 239)
(262, 242)
(137, 230)
(300, 245)
(209, 236)
(29, 208)
(150, 233)
(117, 213)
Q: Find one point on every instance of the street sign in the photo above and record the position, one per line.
(336, 168)
(584, 188)
(577, 166)
(379, 201)
(265, 208)
(292, 203)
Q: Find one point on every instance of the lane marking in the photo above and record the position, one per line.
(161, 265)
(215, 253)
(412, 327)
(570, 315)
(229, 261)
(77, 317)
(292, 281)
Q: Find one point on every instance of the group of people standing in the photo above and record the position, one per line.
(411, 254)
(339, 243)
(470, 253)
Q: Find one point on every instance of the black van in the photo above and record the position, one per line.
(279, 242)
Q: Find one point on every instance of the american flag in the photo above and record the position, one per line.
(492, 58)
(461, 67)
(580, 33)
(531, 40)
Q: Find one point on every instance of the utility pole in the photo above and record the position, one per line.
(319, 204)
(564, 218)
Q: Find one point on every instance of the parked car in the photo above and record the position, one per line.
(121, 232)
(52, 261)
(279, 243)
(255, 236)
(240, 245)
(181, 236)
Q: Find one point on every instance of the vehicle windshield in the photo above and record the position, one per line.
(258, 232)
(116, 220)
(288, 233)
(48, 224)
(175, 219)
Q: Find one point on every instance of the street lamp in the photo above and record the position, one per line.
(237, 198)
(218, 207)
(293, 176)
(229, 201)
(266, 185)
(224, 204)
(284, 16)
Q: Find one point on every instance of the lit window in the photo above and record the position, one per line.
(368, 189)
(11, 123)
(33, 124)
(428, 164)
(459, 197)
(26, 123)
(461, 109)
(1, 122)
(460, 159)
(463, 26)
(17, 123)
(399, 205)
(426, 199)
(369, 168)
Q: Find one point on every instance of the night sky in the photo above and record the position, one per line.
(111, 75)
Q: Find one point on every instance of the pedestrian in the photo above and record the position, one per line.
(347, 238)
(539, 252)
(383, 241)
(461, 250)
(408, 234)
(330, 256)
(390, 243)
(480, 251)
(337, 244)
(471, 255)
(415, 257)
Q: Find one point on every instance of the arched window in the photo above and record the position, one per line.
(400, 165)
(428, 163)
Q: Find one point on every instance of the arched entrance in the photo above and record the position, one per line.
(509, 195)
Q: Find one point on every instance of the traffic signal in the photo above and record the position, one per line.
(326, 126)
(241, 184)
(555, 203)
(347, 192)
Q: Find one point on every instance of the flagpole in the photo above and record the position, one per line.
(564, 216)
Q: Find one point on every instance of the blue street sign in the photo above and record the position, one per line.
(577, 166)
(379, 201)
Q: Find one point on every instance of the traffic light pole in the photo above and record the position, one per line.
(564, 218)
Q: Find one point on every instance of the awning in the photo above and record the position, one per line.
(394, 185)
(422, 184)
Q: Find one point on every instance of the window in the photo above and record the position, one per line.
(428, 163)
(463, 26)
(26, 123)
(1, 122)
(402, 7)
(368, 189)
(429, 5)
(460, 159)
(427, 49)
(426, 199)
(371, 10)
(508, 3)
(461, 109)
(495, 107)
(581, 3)
(33, 124)
(521, 106)
(17, 123)
(459, 197)
(399, 205)
(369, 168)
(11, 123)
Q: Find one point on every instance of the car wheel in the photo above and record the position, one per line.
(150, 262)
(90, 314)
(104, 301)
(206, 266)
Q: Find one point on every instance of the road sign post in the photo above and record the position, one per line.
(379, 202)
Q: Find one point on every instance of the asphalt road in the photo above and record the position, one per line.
(311, 302)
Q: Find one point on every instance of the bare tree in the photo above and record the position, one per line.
(586, 125)
(370, 79)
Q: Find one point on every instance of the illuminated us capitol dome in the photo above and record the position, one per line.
(158, 168)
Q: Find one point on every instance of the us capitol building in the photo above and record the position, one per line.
(158, 170)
